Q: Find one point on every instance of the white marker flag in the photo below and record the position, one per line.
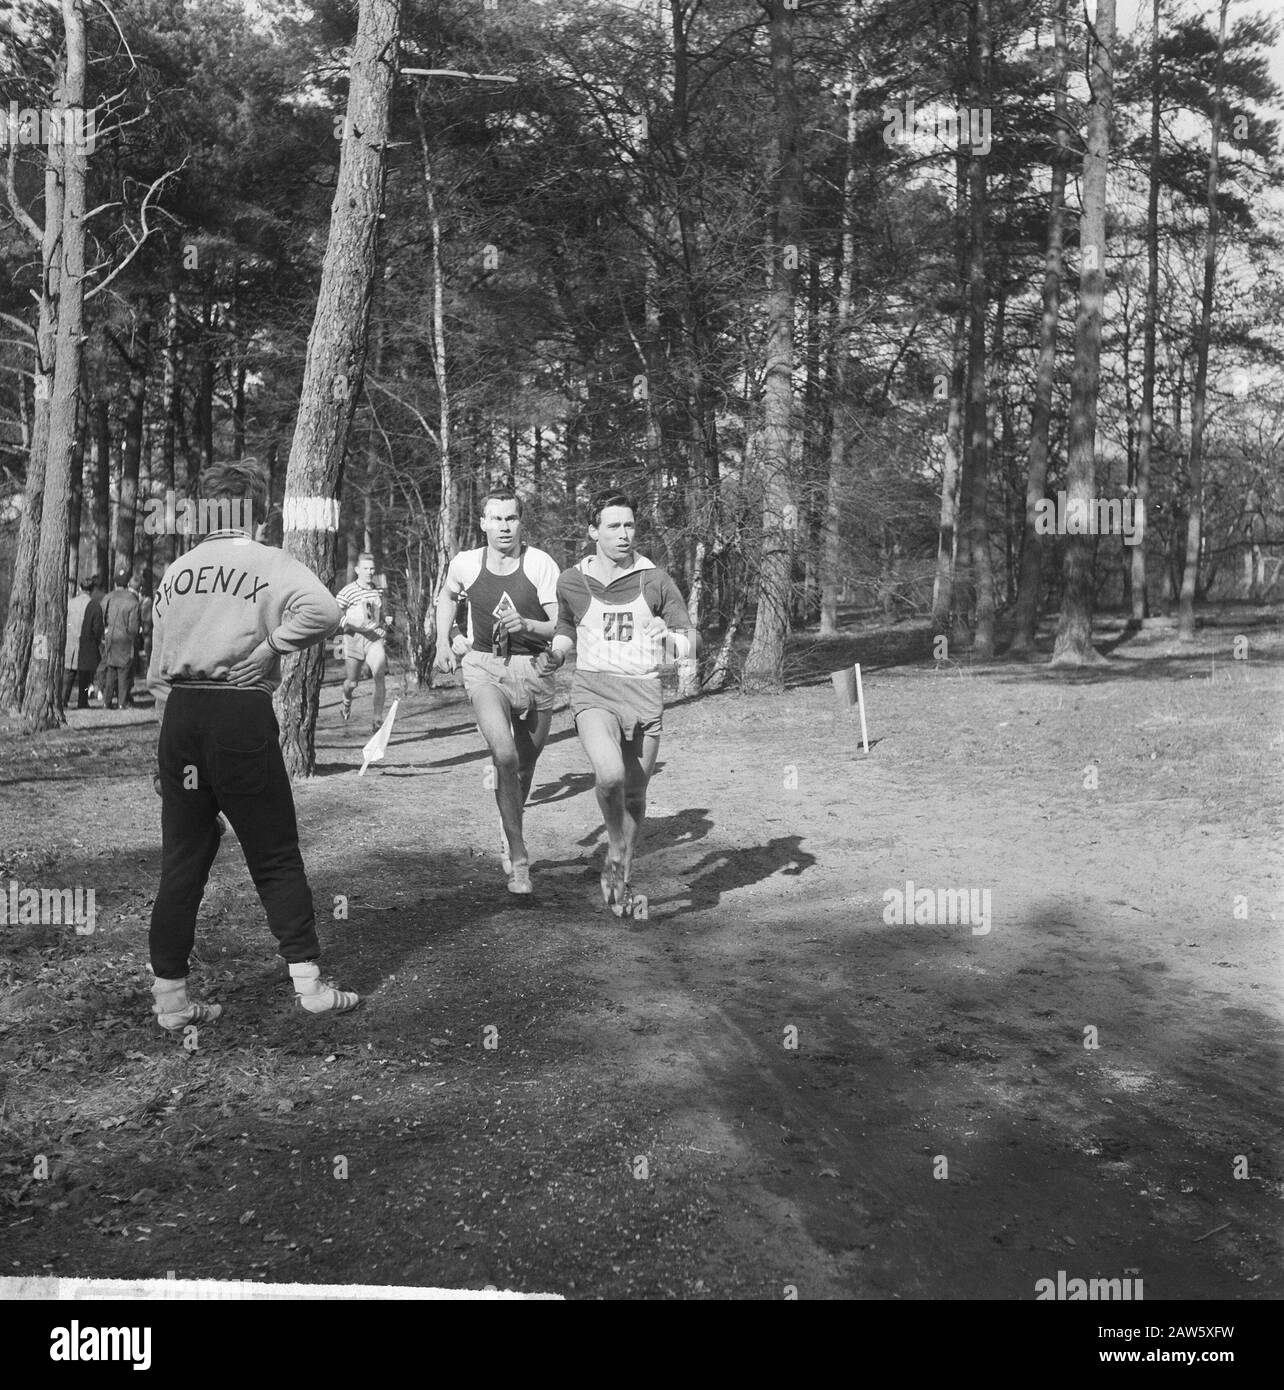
(378, 745)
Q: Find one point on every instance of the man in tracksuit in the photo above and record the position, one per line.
(224, 615)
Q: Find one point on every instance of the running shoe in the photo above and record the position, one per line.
(505, 859)
(519, 881)
(610, 883)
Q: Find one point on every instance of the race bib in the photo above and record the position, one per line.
(617, 625)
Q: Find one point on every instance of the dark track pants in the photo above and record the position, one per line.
(226, 743)
(119, 683)
(74, 680)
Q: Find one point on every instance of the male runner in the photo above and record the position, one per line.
(626, 618)
(511, 589)
(366, 620)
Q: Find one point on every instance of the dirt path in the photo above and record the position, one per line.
(643, 1124)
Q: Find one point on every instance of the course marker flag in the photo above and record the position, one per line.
(848, 687)
(378, 745)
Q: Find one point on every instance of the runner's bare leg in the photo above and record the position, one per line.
(640, 754)
(599, 733)
(530, 733)
(495, 720)
(377, 664)
(353, 677)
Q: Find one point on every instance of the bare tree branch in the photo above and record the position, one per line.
(20, 324)
(139, 240)
(133, 62)
(23, 218)
(392, 395)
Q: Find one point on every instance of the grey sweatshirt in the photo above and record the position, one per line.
(224, 597)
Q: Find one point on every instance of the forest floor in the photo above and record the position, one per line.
(763, 1084)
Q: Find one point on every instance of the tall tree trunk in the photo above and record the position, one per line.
(166, 547)
(840, 434)
(271, 464)
(239, 370)
(42, 698)
(102, 492)
(372, 525)
(1194, 523)
(238, 408)
(132, 448)
(335, 364)
(976, 457)
(15, 647)
(448, 518)
(1027, 604)
(1146, 425)
(1073, 646)
(765, 664)
(204, 421)
(812, 506)
(944, 619)
(703, 468)
(76, 500)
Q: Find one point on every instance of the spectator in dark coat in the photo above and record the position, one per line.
(97, 596)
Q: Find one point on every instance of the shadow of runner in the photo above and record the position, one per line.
(724, 871)
(568, 785)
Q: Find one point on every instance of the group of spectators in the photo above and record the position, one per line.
(107, 639)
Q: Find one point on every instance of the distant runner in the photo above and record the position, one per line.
(511, 591)
(366, 620)
(626, 618)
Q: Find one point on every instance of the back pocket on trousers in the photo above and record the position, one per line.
(240, 771)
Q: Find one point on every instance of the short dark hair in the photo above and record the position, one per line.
(501, 494)
(236, 478)
(612, 497)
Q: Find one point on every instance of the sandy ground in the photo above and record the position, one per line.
(764, 1087)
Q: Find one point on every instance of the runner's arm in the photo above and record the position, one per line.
(384, 626)
(447, 602)
(546, 575)
(681, 640)
(564, 634)
(515, 623)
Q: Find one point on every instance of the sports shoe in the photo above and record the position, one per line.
(505, 859)
(315, 997)
(174, 1010)
(519, 880)
(345, 709)
(375, 727)
(610, 884)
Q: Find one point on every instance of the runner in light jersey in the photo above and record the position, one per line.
(626, 618)
(511, 589)
(367, 617)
